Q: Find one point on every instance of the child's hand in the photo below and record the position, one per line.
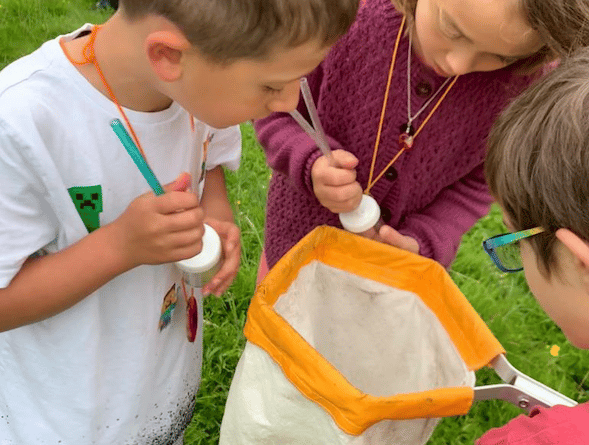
(230, 240)
(390, 236)
(160, 229)
(336, 187)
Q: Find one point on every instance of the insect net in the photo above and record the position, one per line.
(350, 341)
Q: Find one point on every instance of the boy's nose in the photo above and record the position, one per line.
(287, 100)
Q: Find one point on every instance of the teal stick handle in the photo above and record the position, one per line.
(136, 155)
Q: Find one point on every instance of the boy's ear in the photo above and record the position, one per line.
(580, 250)
(164, 51)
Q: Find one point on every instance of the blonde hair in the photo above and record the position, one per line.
(562, 25)
(537, 163)
(227, 30)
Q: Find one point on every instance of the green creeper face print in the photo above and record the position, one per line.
(88, 202)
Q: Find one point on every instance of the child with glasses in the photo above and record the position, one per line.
(537, 167)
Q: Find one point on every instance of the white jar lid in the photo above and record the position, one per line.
(365, 216)
(208, 257)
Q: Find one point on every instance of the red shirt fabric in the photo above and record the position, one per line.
(544, 426)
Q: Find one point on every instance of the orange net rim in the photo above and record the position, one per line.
(317, 379)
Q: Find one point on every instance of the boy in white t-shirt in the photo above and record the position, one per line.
(88, 250)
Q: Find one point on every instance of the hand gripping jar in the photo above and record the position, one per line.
(198, 270)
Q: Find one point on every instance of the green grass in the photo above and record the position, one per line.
(25, 24)
(503, 301)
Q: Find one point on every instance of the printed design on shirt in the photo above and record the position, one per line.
(168, 306)
(88, 202)
(205, 150)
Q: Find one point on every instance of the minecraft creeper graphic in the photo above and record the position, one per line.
(88, 202)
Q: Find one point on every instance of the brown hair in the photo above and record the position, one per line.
(563, 25)
(537, 163)
(227, 30)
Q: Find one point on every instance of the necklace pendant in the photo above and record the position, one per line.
(406, 136)
(405, 141)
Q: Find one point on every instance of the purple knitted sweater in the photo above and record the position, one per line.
(436, 191)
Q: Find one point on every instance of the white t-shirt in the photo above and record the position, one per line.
(100, 372)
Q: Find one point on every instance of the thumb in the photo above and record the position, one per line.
(345, 159)
(180, 184)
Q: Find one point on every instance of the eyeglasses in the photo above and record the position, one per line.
(504, 249)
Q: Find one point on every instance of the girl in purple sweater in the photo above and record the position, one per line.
(424, 80)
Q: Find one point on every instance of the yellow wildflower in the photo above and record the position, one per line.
(554, 350)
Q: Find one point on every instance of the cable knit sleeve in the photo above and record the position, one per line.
(289, 150)
(439, 227)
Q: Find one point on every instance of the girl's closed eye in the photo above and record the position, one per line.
(272, 90)
(507, 60)
(448, 28)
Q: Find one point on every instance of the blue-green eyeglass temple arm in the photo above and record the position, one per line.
(501, 240)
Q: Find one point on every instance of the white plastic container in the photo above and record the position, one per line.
(364, 220)
(198, 270)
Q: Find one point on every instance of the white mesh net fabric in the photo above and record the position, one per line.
(384, 341)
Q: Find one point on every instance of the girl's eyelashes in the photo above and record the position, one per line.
(508, 60)
(451, 32)
(447, 28)
(271, 90)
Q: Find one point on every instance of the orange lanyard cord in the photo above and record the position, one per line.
(90, 57)
(186, 293)
(371, 182)
(384, 105)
